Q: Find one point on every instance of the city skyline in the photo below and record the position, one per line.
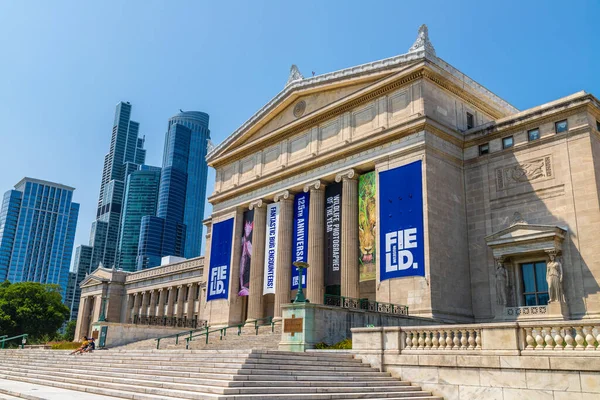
(116, 60)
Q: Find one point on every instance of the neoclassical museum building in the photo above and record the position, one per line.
(404, 181)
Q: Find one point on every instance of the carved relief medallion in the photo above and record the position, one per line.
(299, 109)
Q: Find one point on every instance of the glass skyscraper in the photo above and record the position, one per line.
(37, 231)
(141, 198)
(125, 155)
(176, 229)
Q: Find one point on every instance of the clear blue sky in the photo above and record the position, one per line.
(64, 65)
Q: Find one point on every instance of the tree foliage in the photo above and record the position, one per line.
(33, 308)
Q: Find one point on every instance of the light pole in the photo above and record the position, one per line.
(301, 265)
(102, 317)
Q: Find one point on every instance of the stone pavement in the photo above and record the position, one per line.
(205, 374)
(11, 390)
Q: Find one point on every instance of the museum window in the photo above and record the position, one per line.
(197, 292)
(187, 294)
(167, 296)
(533, 134)
(535, 287)
(470, 121)
(561, 126)
(508, 142)
(484, 149)
(177, 295)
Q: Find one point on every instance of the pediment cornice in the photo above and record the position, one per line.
(441, 73)
(523, 238)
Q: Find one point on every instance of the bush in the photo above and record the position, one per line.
(64, 345)
(345, 344)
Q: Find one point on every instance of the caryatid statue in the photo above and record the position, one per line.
(554, 277)
(501, 282)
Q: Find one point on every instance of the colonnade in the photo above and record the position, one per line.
(152, 302)
(315, 280)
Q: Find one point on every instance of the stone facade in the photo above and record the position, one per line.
(163, 298)
(504, 193)
(480, 169)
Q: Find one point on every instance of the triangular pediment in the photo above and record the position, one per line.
(319, 93)
(522, 238)
(92, 280)
(524, 231)
(300, 106)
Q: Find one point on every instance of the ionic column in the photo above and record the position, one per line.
(180, 300)
(153, 300)
(171, 301)
(257, 262)
(161, 303)
(315, 274)
(349, 272)
(137, 298)
(128, 306)
(144, 303)
(189, 313)
(284, 251)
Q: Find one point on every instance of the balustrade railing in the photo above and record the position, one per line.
(174, 322)
(562, 337)
(442, 339)
(364, 304)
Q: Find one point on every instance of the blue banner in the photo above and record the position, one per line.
(220, 260)
(300, 238)
(401, 222)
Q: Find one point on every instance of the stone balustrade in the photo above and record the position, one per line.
(561, 336)
(509, 338)
(459, 338)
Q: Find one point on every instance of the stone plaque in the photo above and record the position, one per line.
(293, 325)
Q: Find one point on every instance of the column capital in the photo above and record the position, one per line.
(255, 204)
(190, 284)
(179, 286)
(316, 185)
(284, 195)
(346, 175)
(160, 290)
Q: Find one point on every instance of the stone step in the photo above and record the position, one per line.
(219, 375)
(100, 391)
(249, 359)
(121, 390)
(215, 379)
(193, 366)
(267, 388)
(244, 386)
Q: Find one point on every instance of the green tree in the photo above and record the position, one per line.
(70, 331)
(32, 308)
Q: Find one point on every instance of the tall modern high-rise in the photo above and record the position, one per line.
(37, 231)
(141, 199)
(126, 154)
(176, 229)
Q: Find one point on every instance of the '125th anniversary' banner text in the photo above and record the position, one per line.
(300, 239)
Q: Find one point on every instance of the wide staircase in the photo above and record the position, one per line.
(268, 338)
(206, 374)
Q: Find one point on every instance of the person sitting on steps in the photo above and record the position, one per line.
(84, 343)
(91, 346)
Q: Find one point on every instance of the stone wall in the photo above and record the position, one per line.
(122, 334)
(537, 361)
